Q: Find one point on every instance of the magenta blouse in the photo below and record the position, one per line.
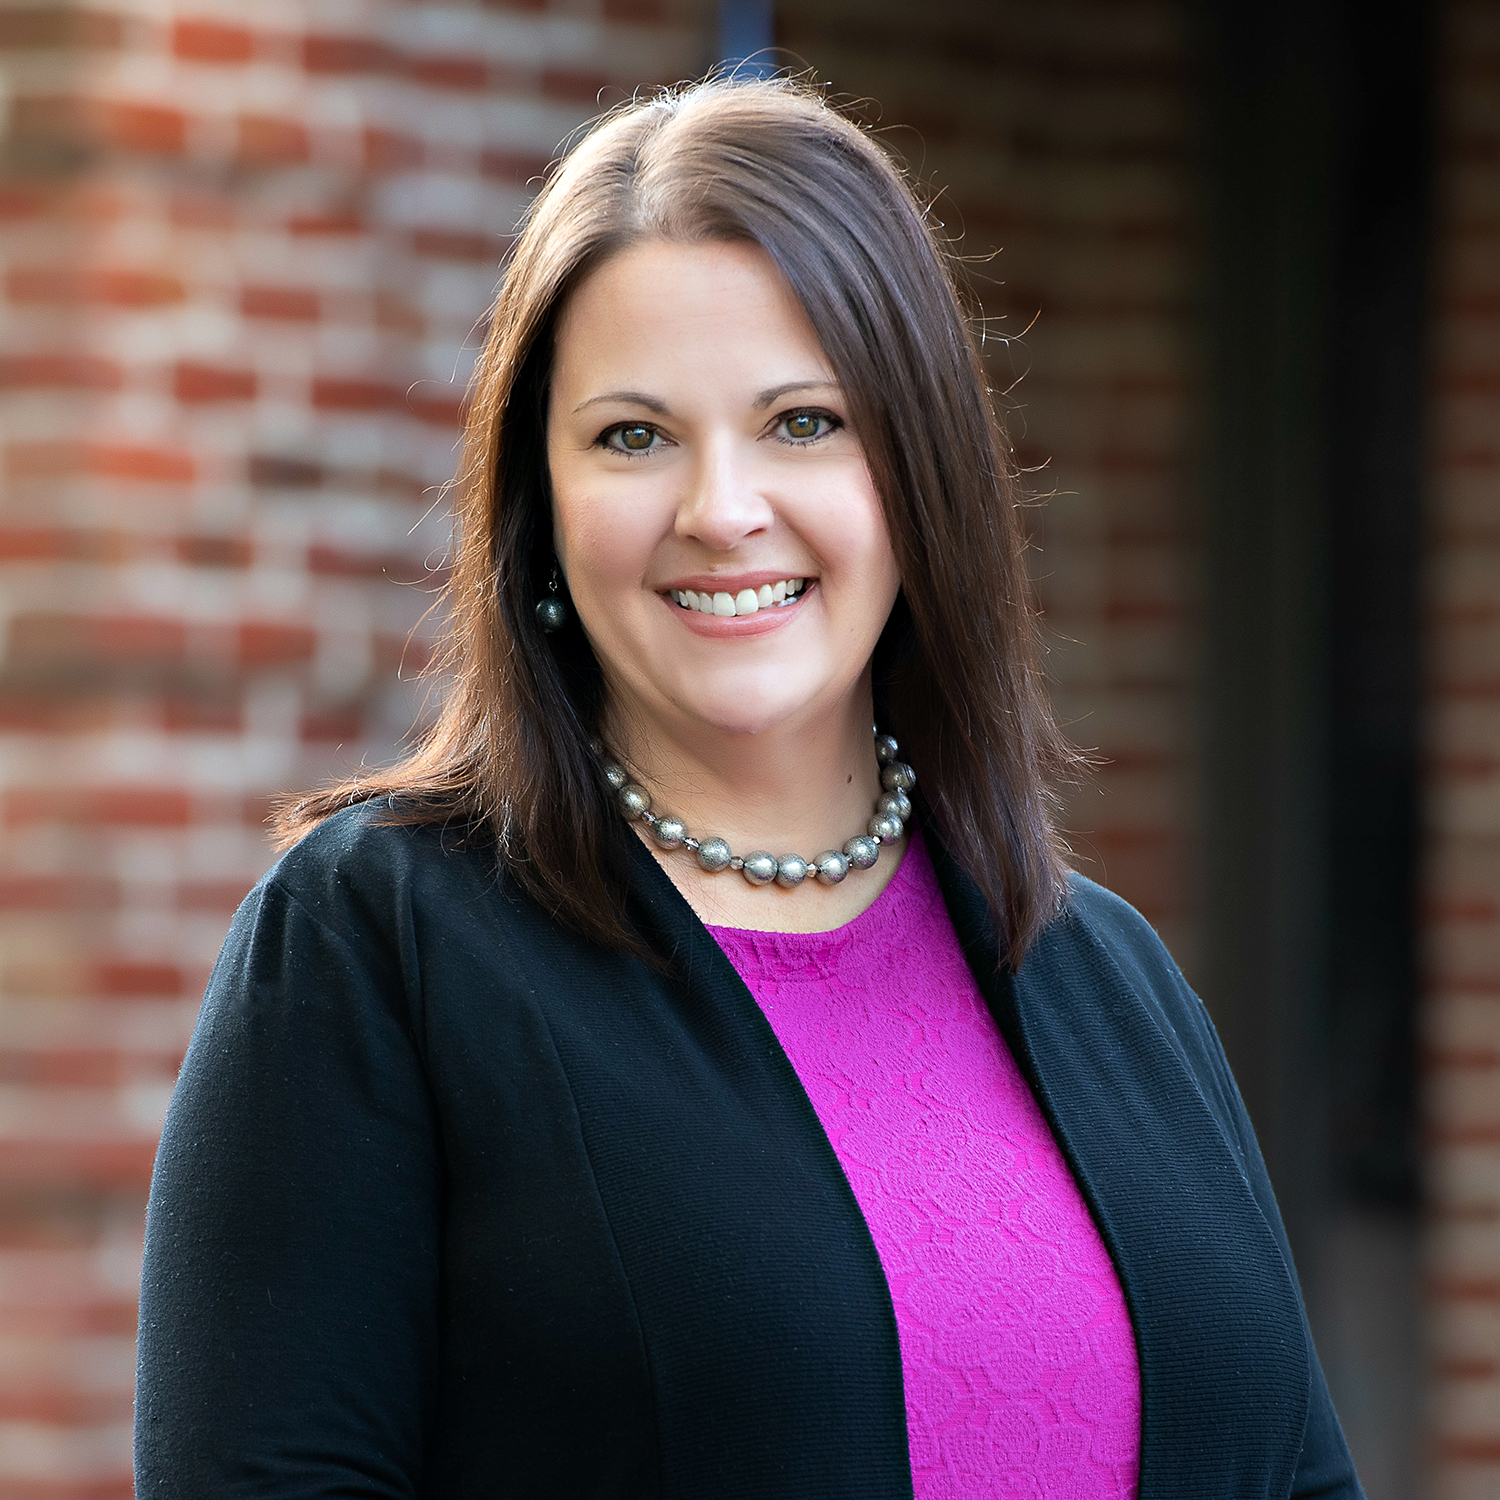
(1017, 1351)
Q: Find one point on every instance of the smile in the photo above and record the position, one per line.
(746, 602)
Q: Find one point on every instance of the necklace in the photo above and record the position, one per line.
(886, 826)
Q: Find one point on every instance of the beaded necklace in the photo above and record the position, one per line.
(886, 826)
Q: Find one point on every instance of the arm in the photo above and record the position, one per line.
(288, 1341)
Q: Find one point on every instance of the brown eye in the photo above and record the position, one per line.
(804, 426)
(635, 438)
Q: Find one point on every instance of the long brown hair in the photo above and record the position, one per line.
(957, 676)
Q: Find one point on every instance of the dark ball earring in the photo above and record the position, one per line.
(551, 612)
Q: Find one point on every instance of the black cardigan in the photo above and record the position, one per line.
(453, 1203)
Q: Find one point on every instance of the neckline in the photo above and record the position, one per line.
(907, 871)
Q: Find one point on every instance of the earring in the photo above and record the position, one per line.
(551, 612)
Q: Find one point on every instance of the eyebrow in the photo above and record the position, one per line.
(764, 399)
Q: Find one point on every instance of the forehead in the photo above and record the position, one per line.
(685, 312)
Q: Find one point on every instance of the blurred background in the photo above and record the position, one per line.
(1244, 308)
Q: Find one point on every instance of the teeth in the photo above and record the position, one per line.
(746, 602)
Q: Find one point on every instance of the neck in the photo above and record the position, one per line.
(802, 786)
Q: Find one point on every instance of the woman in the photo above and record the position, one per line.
(551, 1129)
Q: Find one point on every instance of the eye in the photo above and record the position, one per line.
(630, 437)
(806, 426)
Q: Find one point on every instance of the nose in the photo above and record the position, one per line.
(723, 504)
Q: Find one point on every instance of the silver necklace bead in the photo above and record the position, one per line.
(861, 851)
(759, 868)
(670, 833)
(831, 867)
(886, 749)
(885, 827)
(897, 803)
(615, 775)
(898, 777)
(791, 871)
(634, 800)
(714, 855)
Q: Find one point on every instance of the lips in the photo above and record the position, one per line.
(746, 601)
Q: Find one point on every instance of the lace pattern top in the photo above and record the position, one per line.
(1018, 1356)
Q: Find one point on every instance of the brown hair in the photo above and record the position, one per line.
(767, 161)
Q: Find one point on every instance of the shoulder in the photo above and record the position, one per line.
(1097, 916)
(362, 868)
(1122, 945)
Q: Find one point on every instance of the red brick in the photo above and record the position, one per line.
(222, 896)
(574, 87)
(57, 893)
(269, 644)
(265, 141)
(470, 73)
(648, 12)
(514, 166)
(203, 551)
(122, 978)
(60, 371)
(331, 222)
(119, 287)
(156, 129)
(34, 27)
(40, 640)
(290, 303)
(194, 383)
(356, 395)
(342, 726)
(439, 407)
(212, 42)
(385, 151)
(149, 465)
(274, 471)
(23, 202)
(130, 807)
(326, 53)
(452, 244)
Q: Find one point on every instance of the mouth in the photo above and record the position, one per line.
(747, 601)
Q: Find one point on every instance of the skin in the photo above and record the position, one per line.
(697, 438)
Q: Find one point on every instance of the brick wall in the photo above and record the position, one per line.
(241, 270)
(1055, 129)
(1462, 1003)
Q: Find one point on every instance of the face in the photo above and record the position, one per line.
(714, 516)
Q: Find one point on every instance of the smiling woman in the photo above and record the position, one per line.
(644, 1089)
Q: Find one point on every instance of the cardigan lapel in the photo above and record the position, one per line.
(1219, 1333)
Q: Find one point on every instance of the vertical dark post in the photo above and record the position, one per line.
(1316, 183)
(747, 35)
(1268, 179)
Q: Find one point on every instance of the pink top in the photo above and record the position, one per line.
(1016, 1348)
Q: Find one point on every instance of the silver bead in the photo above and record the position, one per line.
(861, 852)
(791, 871)
(669, 832)
(634, 800)
(759, 868)
(898, 777)
(885, 828)
(886, 749)
(897, 803)
(714, 855)
(615, 775)
(831, 867)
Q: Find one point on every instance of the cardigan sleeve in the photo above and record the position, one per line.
(288, 1338)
